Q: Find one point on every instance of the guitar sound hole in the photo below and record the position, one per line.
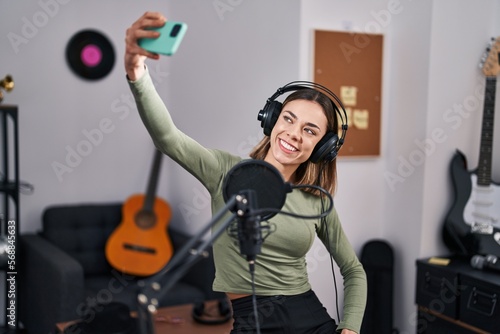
(137, 248)
(145, 219)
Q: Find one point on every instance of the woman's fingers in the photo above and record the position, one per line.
(134, 54)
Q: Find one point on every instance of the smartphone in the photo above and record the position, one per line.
(168, 42)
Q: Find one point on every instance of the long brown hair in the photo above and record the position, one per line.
(323, 174)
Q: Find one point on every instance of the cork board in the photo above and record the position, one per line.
(350, 64)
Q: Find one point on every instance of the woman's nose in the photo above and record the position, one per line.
(294, 132)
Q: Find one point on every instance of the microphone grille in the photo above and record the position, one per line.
(263, 178)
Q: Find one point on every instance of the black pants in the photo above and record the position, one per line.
(298, 314)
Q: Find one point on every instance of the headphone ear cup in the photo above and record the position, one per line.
(269, 116)
(224, 309)
(326, 148)
(198, 310)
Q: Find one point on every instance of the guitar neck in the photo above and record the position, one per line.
(153, 182)
(486, 148)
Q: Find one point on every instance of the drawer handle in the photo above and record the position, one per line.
(482, 302)
(433, 285)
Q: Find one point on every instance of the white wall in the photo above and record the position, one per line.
(227, 66)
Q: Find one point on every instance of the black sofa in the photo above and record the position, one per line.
(65, 274)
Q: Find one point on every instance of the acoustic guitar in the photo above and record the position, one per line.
(140, 245)
(472, 225)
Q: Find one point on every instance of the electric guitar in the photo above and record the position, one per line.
(140, 245)
(472, 225)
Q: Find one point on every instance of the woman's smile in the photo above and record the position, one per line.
(286, 146)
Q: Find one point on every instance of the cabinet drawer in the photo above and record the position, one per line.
(480, 303)
(437, 289)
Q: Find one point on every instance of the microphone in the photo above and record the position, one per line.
(249, 229)
(488, 262)
(260, 191)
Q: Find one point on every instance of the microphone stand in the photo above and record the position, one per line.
(151, 290)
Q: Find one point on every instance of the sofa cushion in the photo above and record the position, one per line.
(92, 223)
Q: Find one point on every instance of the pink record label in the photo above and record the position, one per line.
(91, 55)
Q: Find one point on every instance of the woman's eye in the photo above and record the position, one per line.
(309, 131)
(288, 119)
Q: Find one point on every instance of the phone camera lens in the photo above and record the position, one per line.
(175, 30)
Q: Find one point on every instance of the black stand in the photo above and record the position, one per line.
(152, 290)
(9, 226)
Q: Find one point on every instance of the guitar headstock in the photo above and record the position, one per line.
(490, 62)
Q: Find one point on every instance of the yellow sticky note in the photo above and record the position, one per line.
(361, 119)
(439, 261)
(348, 95)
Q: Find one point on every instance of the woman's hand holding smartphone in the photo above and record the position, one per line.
(148, 37)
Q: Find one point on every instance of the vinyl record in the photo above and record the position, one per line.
(90, 54)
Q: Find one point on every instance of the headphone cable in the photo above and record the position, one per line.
(324, 225)
(266, 211)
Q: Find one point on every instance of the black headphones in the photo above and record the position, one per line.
(200, 315)
(327, 148)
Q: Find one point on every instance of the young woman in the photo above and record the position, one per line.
(284, 296)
